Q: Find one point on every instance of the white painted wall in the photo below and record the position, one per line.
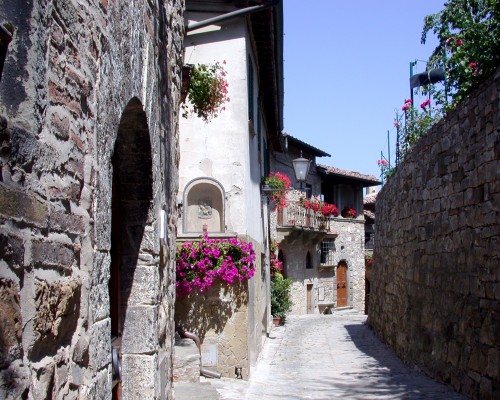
(223, 149)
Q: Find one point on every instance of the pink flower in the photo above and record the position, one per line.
(396, 124)
(472, 64)
(447, 42)
(459, 42)
(425, 104)
(405, 107)
(408, 101)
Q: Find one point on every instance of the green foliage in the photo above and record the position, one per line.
(281, 304)
(417, 124)
(207, 91)
(469, 41)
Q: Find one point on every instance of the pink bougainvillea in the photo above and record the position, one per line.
(201, 263)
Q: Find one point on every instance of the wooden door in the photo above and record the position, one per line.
(342, 285)
(310, 299)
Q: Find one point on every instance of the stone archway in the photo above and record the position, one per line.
(132, 195)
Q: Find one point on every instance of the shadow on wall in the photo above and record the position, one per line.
(132, 199)
(212, 310)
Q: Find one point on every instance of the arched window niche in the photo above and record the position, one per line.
(203, 206)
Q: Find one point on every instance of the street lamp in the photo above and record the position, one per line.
(301, 168)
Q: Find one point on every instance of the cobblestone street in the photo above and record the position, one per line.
(330, 357)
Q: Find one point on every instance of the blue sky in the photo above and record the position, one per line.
(346, 67)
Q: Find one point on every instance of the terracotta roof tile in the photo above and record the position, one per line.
(349, 174)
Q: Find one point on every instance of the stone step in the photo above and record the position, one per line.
(195, 391)
(187, 361)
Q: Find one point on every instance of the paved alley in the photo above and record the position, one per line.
(330, 357)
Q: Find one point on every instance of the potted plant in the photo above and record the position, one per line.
(329, 209)
(206, 91)
(348, 212)
(276, 184)
(281, 302)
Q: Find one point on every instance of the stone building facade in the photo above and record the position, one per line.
(436, 278)
(324, 259)
(89, 155)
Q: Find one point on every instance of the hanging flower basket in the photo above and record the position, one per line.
(275, 186)
(205, 86)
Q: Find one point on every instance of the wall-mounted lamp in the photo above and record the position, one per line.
(301, 168)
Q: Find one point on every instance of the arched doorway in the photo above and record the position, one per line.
(132, 194)
(342, 287)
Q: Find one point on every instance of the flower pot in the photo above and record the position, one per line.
(276, 321)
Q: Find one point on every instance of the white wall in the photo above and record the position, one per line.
(223, 149)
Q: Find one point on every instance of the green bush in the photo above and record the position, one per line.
(281, 304)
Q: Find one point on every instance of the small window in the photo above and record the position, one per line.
(250, 90)
(327, 252)
(309, 264)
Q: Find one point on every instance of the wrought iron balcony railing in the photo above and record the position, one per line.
(295, 215)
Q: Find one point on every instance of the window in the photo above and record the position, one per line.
(309, 264)
(327, 252)
(250, 90)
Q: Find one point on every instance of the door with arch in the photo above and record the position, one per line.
(342, 284)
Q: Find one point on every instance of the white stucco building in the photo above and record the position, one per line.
(221, 166)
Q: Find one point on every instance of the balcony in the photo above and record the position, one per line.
(296, 216)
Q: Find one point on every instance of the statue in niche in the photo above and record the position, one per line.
(205, 209)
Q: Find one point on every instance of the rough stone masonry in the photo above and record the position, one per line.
(89, 100)
(436, 278)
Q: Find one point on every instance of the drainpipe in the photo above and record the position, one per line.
(231, 15)
(203, 371)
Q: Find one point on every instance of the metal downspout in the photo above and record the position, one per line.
(203, 371)
(230, 15)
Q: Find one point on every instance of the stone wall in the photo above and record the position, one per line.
(436, 278)
(348, 241)
(83, 81)
(219, 317)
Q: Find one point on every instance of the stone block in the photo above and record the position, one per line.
(81, 351)
(12, 251)
(22, 207)
(187, 361)
(57, 310)
(99, 294)
(140, 331)
(99, 386)
(66, 223)
(10, 322)
(138, 376)
(144, 284)
(52, 254)
(42, 386)
(100, 344)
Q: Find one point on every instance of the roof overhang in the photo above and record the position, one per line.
(343, 176)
